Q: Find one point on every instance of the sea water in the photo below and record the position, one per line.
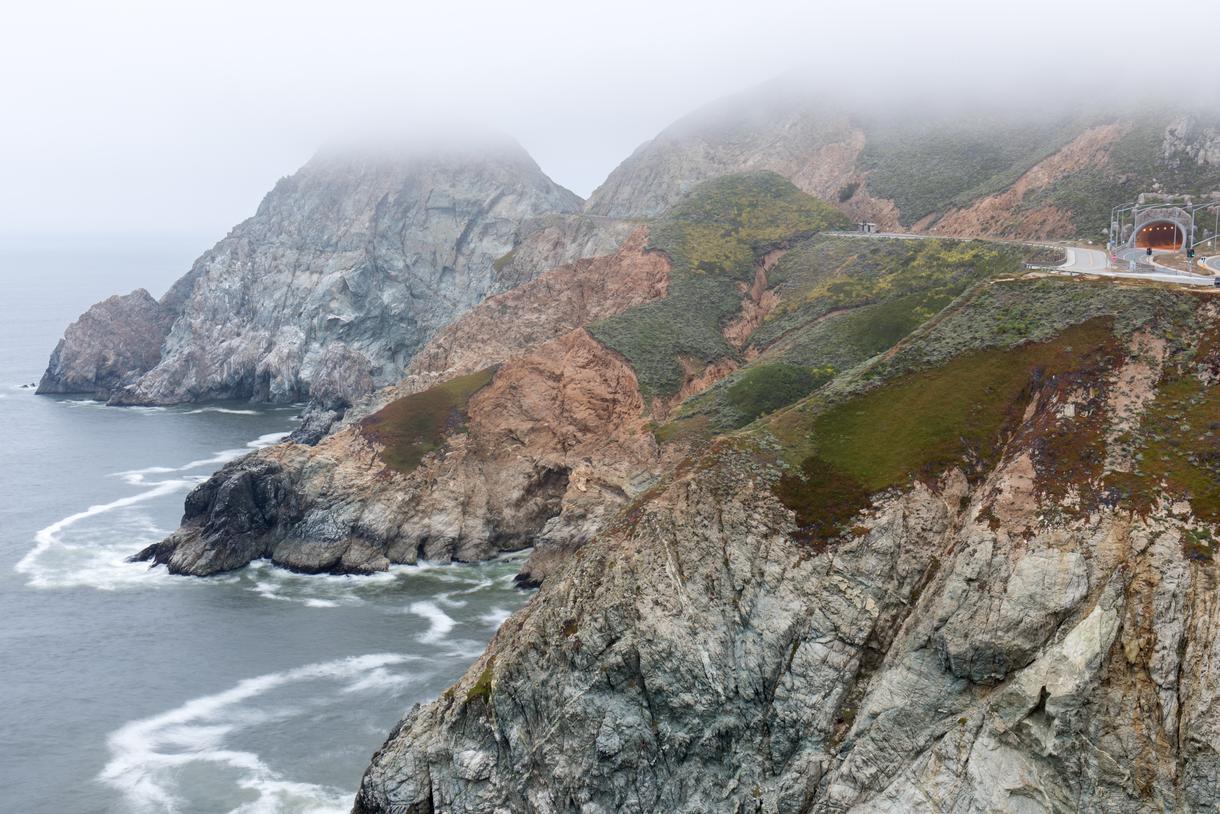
(126, 689)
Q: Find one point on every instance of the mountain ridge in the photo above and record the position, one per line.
(345, 269)
(821, 522)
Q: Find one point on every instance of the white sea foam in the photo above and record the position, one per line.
(335, 590)
(267, 440)
(137, 477)
(315, 590)
(495, 617)
(54, 562)
(69, 553)
(146, 755)
(226, 410)
(439, 622)
(90, 404)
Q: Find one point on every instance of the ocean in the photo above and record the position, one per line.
(126, 689)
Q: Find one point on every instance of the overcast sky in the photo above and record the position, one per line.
(172, 118)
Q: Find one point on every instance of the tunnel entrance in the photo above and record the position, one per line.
(1160, 234)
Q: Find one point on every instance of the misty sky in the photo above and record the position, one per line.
(134, 119)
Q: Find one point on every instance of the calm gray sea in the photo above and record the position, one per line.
(124, 689)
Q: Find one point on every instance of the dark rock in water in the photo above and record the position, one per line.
(230, 520)
(112, 344)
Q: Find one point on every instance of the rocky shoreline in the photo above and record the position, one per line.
(821, 523)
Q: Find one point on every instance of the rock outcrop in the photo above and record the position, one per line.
(562, 300)
(516, 426)
(548, 443)
(1024, 621)
(348, 268)
(110, 346)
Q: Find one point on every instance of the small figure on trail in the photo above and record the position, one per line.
(1148, 251)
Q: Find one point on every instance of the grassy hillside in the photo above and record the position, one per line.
(841, 301)
(954, 394)
(924, 422)
(1137, 163)
(412, 426)
(928, 167)
(714, 238)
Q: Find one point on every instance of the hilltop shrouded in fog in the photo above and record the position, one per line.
(132, 117)
(669, 407)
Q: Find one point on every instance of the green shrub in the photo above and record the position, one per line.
(928, 167)
(481, 689)
(714, 238)
(411, 427)
(921, 423)
(764, 388)
(842, 301)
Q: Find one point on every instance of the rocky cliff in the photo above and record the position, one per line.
(515, 426)
(975, 573)
(348, 267)
(1051, 173)
(557, 429)
(822, 524)
(538, 415)
(109, 347)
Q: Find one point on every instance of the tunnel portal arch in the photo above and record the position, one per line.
(1160, 235)
(1163, 227)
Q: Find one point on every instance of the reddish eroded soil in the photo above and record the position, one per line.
(559, 301)
(1002, 215)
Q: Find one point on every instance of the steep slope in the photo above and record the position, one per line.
(347, 269)
(976, 573)
(517, 425)
(978, 172)
(812, 141)
(513, 442)
(111, 344)
(561, 426)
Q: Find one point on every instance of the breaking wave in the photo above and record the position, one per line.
(225, 410)
(77, 551)
(154, 761)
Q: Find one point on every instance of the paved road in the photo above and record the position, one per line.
(1087, 261)
(1094, 261)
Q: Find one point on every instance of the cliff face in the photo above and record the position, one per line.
(534, 418)
(111, 345)
(814, 143)
(347, 269)
(529, 448)
(975, 574)
(1047, 174)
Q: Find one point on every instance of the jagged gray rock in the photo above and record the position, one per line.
(347, 268)
(1021, 638)
(704, 662)
(554, 440)
(109, 346)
